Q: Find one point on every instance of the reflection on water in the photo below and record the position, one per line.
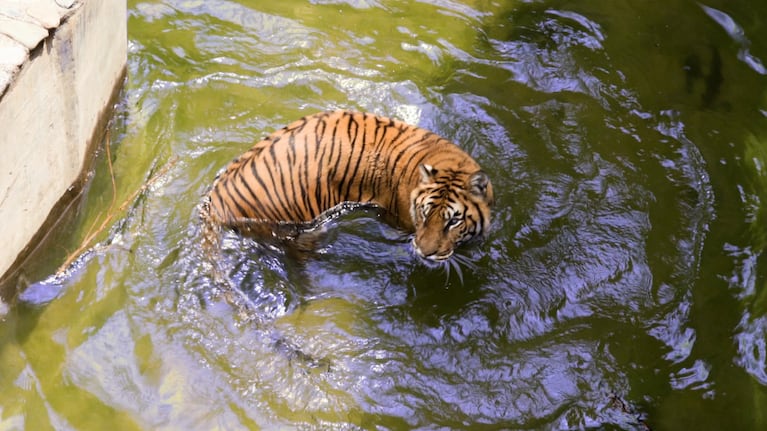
(621, 287)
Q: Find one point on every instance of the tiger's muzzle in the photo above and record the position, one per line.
(435, 255)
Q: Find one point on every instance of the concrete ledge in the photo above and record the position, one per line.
(53, 109)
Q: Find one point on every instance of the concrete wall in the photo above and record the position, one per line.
(51, 113)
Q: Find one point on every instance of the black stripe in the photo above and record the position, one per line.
(481, 223)
(351, 141)
(225, 215)
(395, 179)
(390, 165)
(290, 156)
(270, 169)
(319, 159)
(324, 180)
(404, 150)
(363, 180)
(259, 211)
(307, 199)
(378, 155)
(273, 216)
(331, 190)
(232, 190)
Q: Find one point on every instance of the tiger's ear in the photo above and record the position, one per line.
(427, 173)
(479, 185)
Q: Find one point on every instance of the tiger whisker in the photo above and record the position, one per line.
(456, 264)
(453, 264)
(465, 261)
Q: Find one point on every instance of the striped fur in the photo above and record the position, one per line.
(424, 183)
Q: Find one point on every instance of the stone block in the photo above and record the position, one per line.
(51, 112)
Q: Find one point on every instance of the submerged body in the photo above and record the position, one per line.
(422, 182)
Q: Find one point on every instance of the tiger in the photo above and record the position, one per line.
(422, 183)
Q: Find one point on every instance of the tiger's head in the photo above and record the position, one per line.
(449, 208)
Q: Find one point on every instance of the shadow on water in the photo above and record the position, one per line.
(622, 286)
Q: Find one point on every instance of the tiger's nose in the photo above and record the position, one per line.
(434, 255)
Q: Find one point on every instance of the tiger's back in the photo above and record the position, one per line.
(321, 161)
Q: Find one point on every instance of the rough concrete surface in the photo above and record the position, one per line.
(60, 62)
(23, 25)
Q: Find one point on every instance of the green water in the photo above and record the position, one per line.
(623, 285)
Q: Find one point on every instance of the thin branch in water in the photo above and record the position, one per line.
(111, 171)
(112, 213)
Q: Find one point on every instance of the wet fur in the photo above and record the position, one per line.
(422, 183)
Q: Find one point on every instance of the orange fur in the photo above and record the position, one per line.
(319, 162)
